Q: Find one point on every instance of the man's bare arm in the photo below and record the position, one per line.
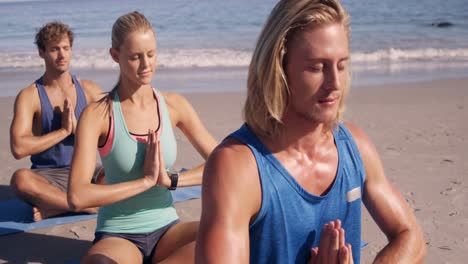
(23, 142)
(231, 198)
(389, 209)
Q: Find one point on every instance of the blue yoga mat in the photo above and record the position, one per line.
(16, 215)
(186, 193)
(364, 244)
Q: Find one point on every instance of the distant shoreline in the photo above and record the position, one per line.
(215, 79)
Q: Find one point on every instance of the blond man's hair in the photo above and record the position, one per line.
(267, 88)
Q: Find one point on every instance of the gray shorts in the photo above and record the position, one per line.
(59, 176)
(145, 242)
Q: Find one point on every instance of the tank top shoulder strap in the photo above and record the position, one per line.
(80, 97)
(264, 165)
(248, 138)
(260, 151)
(343, 135)
(117, 115)
(46, 106)
(169, 146)
(117, 127)
(344, 140)
(166, 124)
(106, 147)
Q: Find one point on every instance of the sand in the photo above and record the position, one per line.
(421, 134)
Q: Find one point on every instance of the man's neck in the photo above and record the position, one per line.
(57, 80)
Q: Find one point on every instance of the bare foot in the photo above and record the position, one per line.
(41, 213)
(93, 210)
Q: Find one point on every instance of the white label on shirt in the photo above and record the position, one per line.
(353, 195)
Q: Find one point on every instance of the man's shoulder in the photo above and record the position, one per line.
(29, 89)
(28, 93)
(231, 177)
(87, 84)
(356, 132)
(91, 89)
(364, 144)
(96, 107)
(232, 152)
(27, 103)
(231, 143)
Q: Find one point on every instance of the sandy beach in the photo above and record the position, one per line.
(420, 133)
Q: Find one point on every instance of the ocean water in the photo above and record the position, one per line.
(391, 40)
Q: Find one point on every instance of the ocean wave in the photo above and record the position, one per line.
(167, 58)
(192, 58)
(414, 54)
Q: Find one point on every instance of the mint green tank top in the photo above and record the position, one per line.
(147, 211)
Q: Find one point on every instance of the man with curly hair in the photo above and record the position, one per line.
(44, 122)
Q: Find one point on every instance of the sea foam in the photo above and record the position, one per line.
(193, 58)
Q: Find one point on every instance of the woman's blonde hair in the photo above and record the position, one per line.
(267, 87)
(127, 24)
(123, 26)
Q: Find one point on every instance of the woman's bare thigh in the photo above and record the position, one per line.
(113, 250)
(177, 238)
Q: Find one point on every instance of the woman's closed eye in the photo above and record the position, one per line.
(316, 67)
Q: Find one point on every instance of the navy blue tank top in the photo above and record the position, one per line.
(290, 219)
(59, 155)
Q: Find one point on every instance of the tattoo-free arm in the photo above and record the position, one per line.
(231, 198)
(82, 193)
(389, 209)
(23, 142)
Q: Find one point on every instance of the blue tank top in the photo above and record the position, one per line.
(59, 155)
(290, 219)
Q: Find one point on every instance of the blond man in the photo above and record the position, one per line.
(297, 196)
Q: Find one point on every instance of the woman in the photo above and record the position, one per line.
(132, 127)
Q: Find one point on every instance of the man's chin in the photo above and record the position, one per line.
(61, 70)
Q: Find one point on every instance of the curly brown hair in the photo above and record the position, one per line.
(51, 32)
